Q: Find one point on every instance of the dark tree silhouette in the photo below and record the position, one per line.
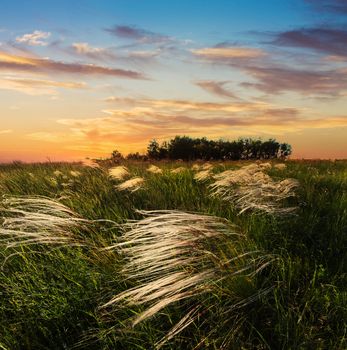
(187, 148)
(285, 150)
(116, 156)
(153, 149)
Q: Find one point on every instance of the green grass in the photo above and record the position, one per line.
(50, 296)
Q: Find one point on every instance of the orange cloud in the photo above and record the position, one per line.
(184, 105)
(37, 86)
(9, 62)
(130, 129)
(223, 53)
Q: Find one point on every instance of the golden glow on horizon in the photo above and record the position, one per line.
(72, 109)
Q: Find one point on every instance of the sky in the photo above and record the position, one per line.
(82, 78)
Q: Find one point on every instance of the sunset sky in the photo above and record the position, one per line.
(82, 78)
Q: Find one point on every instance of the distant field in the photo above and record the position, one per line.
(184, 256)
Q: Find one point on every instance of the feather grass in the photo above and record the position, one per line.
(75, 173)
(207, 166)
(196, 167)
(38, 220)
(90, 163)
(154, 169)
(118, 172)
(203, 175)
(132, 185)
(250, 189)
(172, 256)
(280, 166)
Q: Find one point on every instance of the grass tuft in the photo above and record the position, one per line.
(250, 189)
(38, 220)
(132, 185)
(172, 256)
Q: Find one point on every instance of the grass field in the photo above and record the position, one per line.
(178, 261)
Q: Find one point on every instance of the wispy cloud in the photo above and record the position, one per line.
(37, 38)
(84, 49)
(272, 76)
(9, 62)
(135, 128)
(306, 82)
(37, 86)
(131, 122)
(186, 105)
(195, 122)
(216, 88)
(326, 40)
(126, 55)
(138, 34)
(228, 54)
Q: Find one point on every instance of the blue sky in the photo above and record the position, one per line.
(114, 74)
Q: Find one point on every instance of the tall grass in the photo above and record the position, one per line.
(172, 256)
(249, 188)
(81, 263)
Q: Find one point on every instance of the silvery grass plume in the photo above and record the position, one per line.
(178, 170)
(265, 166)
(203, 175)
(118, 172)
(196, 167)
(132, 185)
(58, 173)
(280, 166)
(249, 188)
(173, 256)
(207, 166)
(38, 220)
(155, 170)
(75, 173)
(90, 163)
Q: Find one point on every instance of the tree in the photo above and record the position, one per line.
(285, 150)
(136, 156)
(116, 156)
(187, 148)
(163, 150)
(153, 150)
(181, 147)
(269, 149)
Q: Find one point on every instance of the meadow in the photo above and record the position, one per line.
(174, 255)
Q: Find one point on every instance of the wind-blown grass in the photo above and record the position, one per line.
(154, 169)
(132, 185)
(38, 220)
(172, 256)
(119, 172)
(249, 188)
(203, 175)
(52, 289)
(178, 170)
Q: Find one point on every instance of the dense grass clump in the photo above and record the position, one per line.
(228, 255)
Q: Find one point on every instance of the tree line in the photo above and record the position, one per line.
(187, 148)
